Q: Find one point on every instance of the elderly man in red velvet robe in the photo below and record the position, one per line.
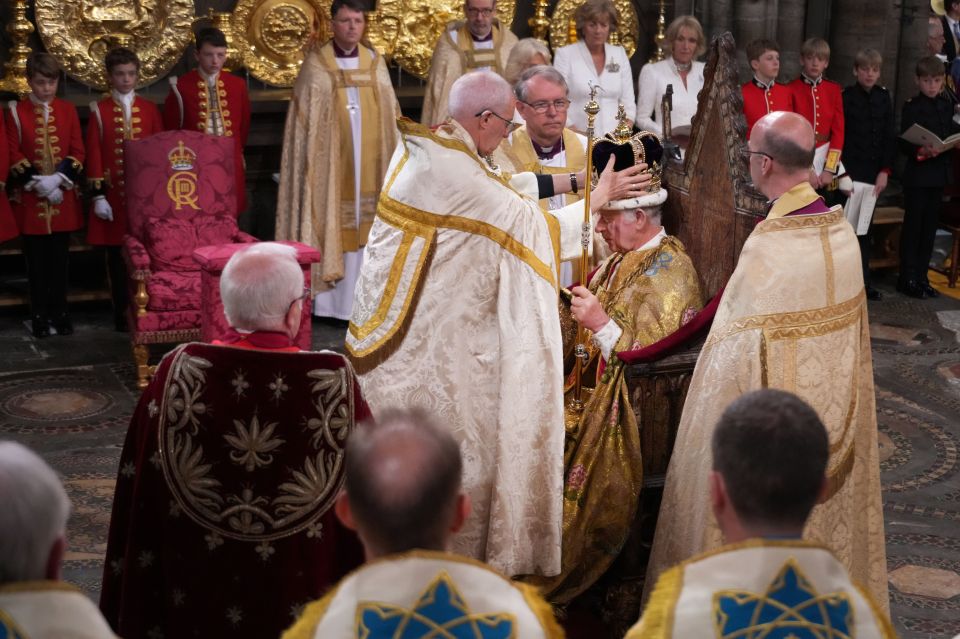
(263, 293)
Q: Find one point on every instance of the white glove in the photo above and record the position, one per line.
(102, 209)
(46, 184)
(31, 184)
(55, 196)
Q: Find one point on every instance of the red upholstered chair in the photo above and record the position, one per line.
(180, 196)
(222, 522)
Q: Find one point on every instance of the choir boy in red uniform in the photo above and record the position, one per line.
(8, 225)
(763, 94)
(46, 158)
(210, 100)
(820, 101)
(122, 116)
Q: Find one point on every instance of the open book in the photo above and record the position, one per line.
(922, 137)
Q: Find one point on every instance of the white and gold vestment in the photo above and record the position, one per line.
(339, 137)
(455, 311)
(793, 316)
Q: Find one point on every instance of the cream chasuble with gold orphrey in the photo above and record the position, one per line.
(456, 55)
(316, 202)
(455, 311)
(793, 317)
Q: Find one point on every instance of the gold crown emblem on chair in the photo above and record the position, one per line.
(182, 158)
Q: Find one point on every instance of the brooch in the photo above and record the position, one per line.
(613, 67)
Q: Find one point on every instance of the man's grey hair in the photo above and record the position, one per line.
(520, 56)
(478, 91)
(653, 213)
(548, 73)
(33, 513)
(259, 284)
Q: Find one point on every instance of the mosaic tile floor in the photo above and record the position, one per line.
(70, 398)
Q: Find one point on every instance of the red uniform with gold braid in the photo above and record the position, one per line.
(8, 226)
(44, 148)
(191, 106)
(107, 129)
(820, 101)
(760, 99)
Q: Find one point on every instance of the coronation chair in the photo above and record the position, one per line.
(222, 522)
(180, 196)
(712, 208)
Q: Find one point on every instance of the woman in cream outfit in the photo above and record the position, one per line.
(684, 42)
(593, 61)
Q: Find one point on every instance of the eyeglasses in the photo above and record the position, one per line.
(511, 125)
(486, 13)
(304, 297)
(542, 106)
(746, 153)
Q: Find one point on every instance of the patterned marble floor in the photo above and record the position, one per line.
(70, 398)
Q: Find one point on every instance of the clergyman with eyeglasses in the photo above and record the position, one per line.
(545, 145)
(479, 42)
(793, 316)
(456, 310)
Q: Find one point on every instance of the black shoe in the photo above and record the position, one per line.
(911, 288)
(873, 294)
(929, 290)
(62, 324)
(40, 327)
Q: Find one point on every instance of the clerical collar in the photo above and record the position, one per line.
(486, 38)
(757, 82)
(340, 53)
(547, 152)
(812, 82)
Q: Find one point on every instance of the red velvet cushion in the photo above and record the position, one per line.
(214, 229)
(698, 324)
(170, 243)
(173, 291)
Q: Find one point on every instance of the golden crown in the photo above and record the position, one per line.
(182, 158)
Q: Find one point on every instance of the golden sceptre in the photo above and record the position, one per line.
(586, 237)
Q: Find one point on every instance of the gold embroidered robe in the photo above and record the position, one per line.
(455, 311)
(453, 59)
(719, 593)
(649, 294)
(793, 316)
(313, 205)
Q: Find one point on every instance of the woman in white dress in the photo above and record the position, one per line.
(593, 61)
(684, 42)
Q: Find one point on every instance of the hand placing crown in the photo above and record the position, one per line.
(629, 149)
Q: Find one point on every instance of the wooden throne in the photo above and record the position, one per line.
(712, 207)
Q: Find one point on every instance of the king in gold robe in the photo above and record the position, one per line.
(339, 137)
(648, 292)
(794, 317)
(455, 54)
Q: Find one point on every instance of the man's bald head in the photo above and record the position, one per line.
(781, 149)
(403, 479)
(476, 91)
(787, 137)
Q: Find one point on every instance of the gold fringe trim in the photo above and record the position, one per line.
(367, 360)
(838, 476)
(543, 610)
(306, 626)
(883, 622)
(657, 619)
